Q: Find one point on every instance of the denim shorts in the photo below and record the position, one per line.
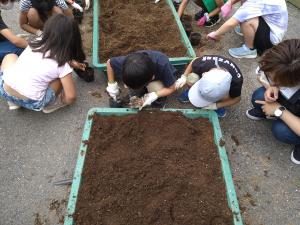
(36, 105)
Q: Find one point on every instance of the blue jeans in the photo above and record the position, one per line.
(36, 105)
(6, 47)
(279, 129)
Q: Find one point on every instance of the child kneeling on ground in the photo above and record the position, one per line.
(148, 74)
(220, 83)
(279, 98)
(41, 78)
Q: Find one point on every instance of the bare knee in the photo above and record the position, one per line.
(68, 12)
(250, 23)
(34, 19)
(8, 61)
(56, 10)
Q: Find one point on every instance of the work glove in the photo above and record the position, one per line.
(226, 9)
(87, 4)
(212, 36)
(202, 20)
(38, 33)
(113, 90)
(148, 99)
(212, 106)
(180, 82)
(77, 6)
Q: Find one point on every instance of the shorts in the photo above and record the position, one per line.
(262, 39)
(36, 105)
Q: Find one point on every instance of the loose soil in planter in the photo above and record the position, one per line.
(130, 25)
(152, 168)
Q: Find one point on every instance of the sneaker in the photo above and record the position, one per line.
(295, 155)
(222, 112)
(184, 97)
(54, 105)
(212, 21)
(238, 31)
(12, 106)
(243, 52)
(255, 114)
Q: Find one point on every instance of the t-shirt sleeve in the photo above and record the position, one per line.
(116, 65)
(64, 70)
(248, 10)
(167, 74)
(61, 4)
(25, 5)
(2, 24)
(236, 89)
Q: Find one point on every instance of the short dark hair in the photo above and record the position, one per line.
(283, 60)
(43, 7)
(137, 70)
(61, 40)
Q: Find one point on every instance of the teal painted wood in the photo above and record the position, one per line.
(174, 61)
(190, 113)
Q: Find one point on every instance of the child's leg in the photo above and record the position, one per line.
(8, 61)
(56, 10)
(34, 19)
(182, 7)
(249, 29)
(68, 12)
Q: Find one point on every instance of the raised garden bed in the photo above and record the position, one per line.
(152, 168)
(124, 26)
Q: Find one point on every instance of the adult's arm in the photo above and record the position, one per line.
(17, 41)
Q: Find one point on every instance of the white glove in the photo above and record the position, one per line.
(148, 99)
(87, 4)
(180, 82)
(77, 6)
(113, 90)
(212, 106)
(38, 33)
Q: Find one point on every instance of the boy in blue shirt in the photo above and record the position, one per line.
(138, 71)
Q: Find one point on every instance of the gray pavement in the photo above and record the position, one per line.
(37, 149)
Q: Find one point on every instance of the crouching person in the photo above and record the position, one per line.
(279, 97)
(148, 74)
(219, 86)
(41, 78)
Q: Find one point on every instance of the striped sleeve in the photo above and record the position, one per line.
(25, 5)
(61, 4)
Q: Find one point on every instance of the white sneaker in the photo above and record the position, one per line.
(12, 106)
(54, 105)
(294, 154)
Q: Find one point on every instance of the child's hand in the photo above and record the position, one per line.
(213, 36)
(148, 99)
(226, 9)
(202, 20)
(180, 82)
(77, 65)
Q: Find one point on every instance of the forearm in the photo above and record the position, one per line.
(214, 12)
(110, 73)
(228, 102)
(29, 28)
(182, 7)
(165, 91)
(20, 42)
(227, 26)
(292, 121)
(189, 68)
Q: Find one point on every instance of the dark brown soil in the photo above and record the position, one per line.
(155, 168)
(130, 25)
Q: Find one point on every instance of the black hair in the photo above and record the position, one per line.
(137, 70)
(61, 40)
(43, 6)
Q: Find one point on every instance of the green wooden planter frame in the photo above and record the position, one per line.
(190, 113)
